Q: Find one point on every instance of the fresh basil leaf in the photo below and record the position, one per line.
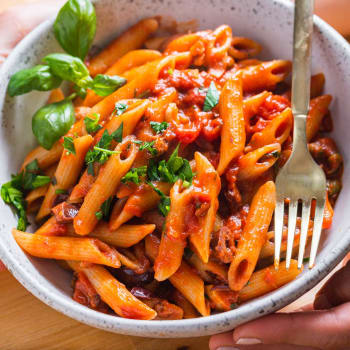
(134, 174)
(164, 204)
(14, 197)
(211, 98)
(36, 78)
(68, 145)
(118, 134)
(104, 85)
(120, 108)
(52, 121)
(159, 127)
(92, 125)
(69, 68)
(75, 27)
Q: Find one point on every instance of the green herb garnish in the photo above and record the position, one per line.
(120, 108)
(148, 146)
(211, 98)
(134, 175)
(68, 145)
(164, 204)
(92, 125)
(159, 127)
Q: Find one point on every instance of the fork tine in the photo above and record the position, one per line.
(305, 218)
(279, 212)
(292, 218)
(318, 220)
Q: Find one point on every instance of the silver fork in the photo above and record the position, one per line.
(301, 179)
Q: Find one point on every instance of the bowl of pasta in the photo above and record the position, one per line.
(139, 157)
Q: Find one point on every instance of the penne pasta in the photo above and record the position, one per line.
(233, 130)
(105, 185)
(67, 172)
(184, 279)
(268, 279)
(45, 157)
(265, 76)
(67, 248)
(131, 39)
(209, 181)
(277, 131)
(256, 163)
(114, 293)
(253, 236)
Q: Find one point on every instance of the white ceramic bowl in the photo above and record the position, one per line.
(267, 21)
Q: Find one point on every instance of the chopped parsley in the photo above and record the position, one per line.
(134, 174)
(92, 125)
(68, 145)
(120, 108)
(148, 146)
(159, 127)
(101, 152)
(234, 306)
(211, 98)
(164, 204)
(170, 171)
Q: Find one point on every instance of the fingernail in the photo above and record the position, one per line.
(248, 341)
(227, 348)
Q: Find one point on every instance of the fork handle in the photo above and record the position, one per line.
(303, 26)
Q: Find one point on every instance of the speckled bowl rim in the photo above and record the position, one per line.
(189, 327)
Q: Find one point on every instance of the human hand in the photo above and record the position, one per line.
(327, 327)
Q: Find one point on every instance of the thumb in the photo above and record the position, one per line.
(328, 330)
(336, 291)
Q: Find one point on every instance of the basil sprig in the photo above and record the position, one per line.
(36, 78)
(13, 192)
(52, 121)
(75, 27)
(69, 68)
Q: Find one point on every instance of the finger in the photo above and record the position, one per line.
(267, 347)
(336, 291)
(224, 341)
(319, 329)
(221, 340)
